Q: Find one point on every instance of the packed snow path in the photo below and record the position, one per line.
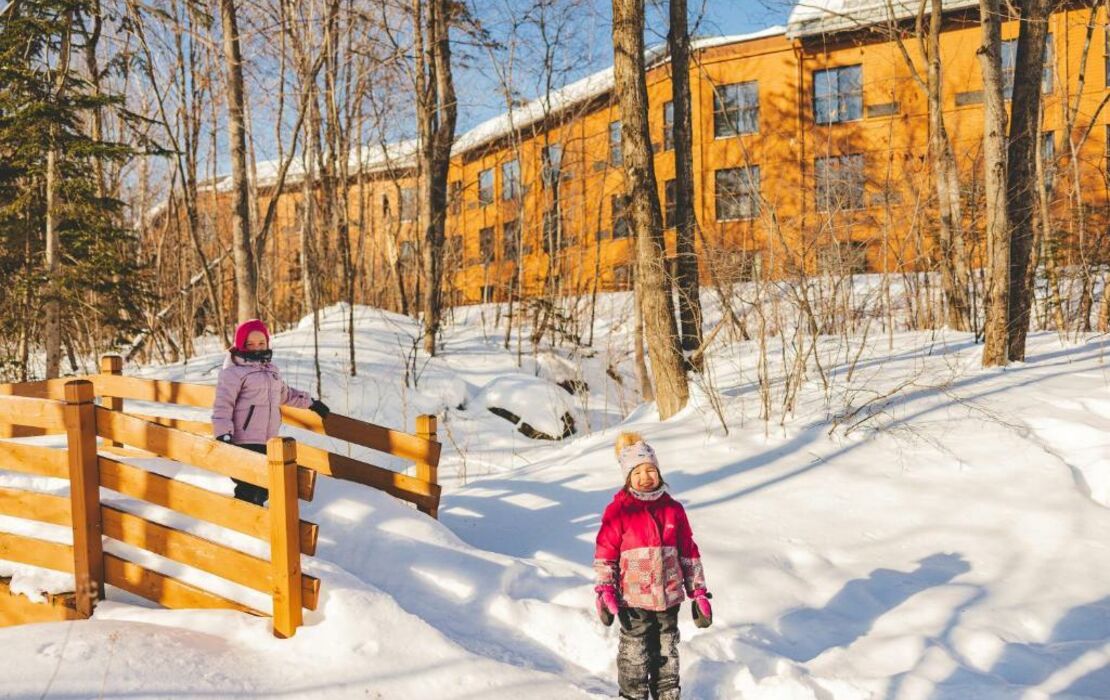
(946, 541)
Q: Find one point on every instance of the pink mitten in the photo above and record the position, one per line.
(606, 604)
(703, 611)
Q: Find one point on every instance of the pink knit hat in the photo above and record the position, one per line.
(634, 455)
(243, 331)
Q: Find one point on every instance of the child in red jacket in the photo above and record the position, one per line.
(644, 561)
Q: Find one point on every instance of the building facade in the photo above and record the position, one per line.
(810, 149)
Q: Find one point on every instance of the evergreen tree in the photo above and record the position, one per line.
(46, 105)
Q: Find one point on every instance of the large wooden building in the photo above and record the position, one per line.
(810, 154)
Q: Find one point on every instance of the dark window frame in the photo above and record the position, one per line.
(845, 103)
(735, 109)
(668, 125)
(840, 183)
(738, 200)
(616, 154)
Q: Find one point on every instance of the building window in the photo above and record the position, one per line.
(510, 180)
(485, 187)
(1048, 159)
(737, 193)
(615, 155)
(485, 245)
(552, 157)
(386, 212)
(669, 204)
(510, 240)
(840, 183)
(735, 109)
(552, 230)
(454, 196)
(408, 204)
(618, 215)
(837, 94)
(1009, 63)
(846, 258)
(668, 126)
(453, 248)
(407, 252)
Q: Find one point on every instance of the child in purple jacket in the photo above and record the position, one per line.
(249, 396)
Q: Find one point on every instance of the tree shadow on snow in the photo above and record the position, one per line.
(1084, 628)
(804, 634)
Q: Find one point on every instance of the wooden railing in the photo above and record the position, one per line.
(289, 470)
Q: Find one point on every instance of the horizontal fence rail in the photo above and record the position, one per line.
(99, 438)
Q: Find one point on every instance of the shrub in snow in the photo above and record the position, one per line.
(539, 408)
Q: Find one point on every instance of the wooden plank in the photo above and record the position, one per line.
(84, 495)
(188, 549)
(35, 552)
(402, 486)
(156, 390)
(42, 507)
(112, 365)
(197, 552)
(190, 426)
(285, 555)
(37, 413)
(428, 470)
(181, 446)
(164, 590)
(18, 609)
(196, 502)
(45, 389)
(188, 448)
(34, 459)
(369, 435)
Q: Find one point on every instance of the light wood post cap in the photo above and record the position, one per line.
(111, 364)
(79, 391)
(281, 449)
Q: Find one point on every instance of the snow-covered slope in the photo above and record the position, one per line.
(921, 528)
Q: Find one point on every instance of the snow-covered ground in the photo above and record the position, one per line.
(917, 527)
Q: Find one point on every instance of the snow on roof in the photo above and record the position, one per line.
(811, 17)
(379, 158)
(580, 91)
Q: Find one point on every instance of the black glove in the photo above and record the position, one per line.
(226, 438)
(319, 408)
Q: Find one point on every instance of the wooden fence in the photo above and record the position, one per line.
(289, 470)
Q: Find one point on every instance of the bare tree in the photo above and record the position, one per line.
(995, 346)
(246, 272)
(686, 261)
(436, 112)
(630, 86)
(1022, 182)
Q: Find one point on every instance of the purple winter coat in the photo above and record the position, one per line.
(249, 396)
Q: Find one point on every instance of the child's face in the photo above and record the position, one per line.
(645, 477)
(256, 340)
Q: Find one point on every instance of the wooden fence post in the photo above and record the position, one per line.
(426, 428)
(84, 494)
(285, 551)
(112, 364)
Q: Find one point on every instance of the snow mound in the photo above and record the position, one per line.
(536, 402)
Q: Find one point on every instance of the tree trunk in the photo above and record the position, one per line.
(52, 330)
(995, 345)
(954, 268)
(436, 109)
(645, 218)
(1021, 171)
(640, 364)
(246, 272)
(686, 261)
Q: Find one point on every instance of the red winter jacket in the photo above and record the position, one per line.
(646, 550)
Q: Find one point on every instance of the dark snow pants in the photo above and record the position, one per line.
(249, 492)
(647, 658)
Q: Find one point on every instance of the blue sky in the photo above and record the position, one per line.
(478, 92)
